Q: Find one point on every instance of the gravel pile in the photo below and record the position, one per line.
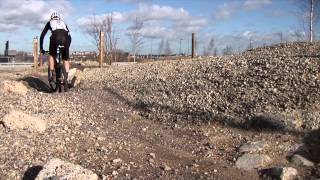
(281, 81)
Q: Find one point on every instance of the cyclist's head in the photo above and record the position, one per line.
(55, 16)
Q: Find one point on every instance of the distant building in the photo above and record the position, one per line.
(9, 52)
(83, 55)
(11, 55)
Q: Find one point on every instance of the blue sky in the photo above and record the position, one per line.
(229, 22)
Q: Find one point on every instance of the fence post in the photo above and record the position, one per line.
(193, 45)
(35, 52)
(101, 48)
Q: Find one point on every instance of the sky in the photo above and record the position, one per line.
(229, 22)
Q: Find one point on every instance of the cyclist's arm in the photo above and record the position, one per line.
(43, 34)
(68, 33)
(67, 28)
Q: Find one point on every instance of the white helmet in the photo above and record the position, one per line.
(55, 16)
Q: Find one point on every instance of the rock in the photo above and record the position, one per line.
(151, 160)
(58, 169)
(14, 87)
(72, 73)
(301, 161)
(282, 173)
(153, 155)
(166, 167)
(18, 120)
(115, 161)
(252, 161)
(115, 173)
(253, 147)
(75, 76)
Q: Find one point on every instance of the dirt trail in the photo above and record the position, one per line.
(98, 130)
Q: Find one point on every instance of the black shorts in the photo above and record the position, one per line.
(60, 37)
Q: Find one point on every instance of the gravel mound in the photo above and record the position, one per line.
(15, 87)
(281, 81)
(18, 120)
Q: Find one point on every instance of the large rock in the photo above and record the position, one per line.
(75, 76)
(252, 161)
(301, 161)
(282, 173)
(253, 147)
(58, 169)
(18, 120)
(14, 87)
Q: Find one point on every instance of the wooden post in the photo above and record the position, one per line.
(35, 52)
(101, 48)
(193, 45)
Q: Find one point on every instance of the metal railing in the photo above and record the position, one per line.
(16, 64)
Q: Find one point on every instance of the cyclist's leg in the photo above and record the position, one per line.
(65, 53)
(66, 65)
(52, 55)
(51, 63)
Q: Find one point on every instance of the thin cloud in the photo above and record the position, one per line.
(127, 1)
(117, 17)
(159, 21)
(226, 11)
(276, 13)
(256, 4)
(157, 12)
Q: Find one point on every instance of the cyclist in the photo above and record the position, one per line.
(60, 35)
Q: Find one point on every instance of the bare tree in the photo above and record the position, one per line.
(280, 35)
(110, 40)
(227, 50)
(215, 51)
(250, 45)
(103, 25)
(167, 49)
(93, 30)
(208, 50)
(298, 35)
(136, 37)
(161, 46)
(309, 12)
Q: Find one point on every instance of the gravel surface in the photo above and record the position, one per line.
(172, 119)
(281, 81)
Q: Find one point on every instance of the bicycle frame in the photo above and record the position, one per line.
(61, 74)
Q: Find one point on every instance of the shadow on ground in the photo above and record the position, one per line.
(267, 122)
(32, 173)
(312, 143)
(37, 83)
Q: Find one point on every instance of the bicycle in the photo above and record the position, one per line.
(61, 75)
